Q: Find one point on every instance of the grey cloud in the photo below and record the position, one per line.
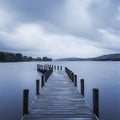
(53, 14)
(78, 19)
(35, 9)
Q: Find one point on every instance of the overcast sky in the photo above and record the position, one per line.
(60, 28)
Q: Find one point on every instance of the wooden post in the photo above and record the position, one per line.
(82, 87)
(42, 80)
(72, 76)
(54, 67)
(37, 87)
(96, 101)
(57, 67)
(60, 67)
(25, 101)
(75, 80)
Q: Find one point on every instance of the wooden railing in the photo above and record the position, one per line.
(73, 77)
(48, 69)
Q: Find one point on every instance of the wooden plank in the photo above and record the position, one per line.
(58, 119)
(59, 100)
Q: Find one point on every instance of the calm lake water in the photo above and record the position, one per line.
(14, 77)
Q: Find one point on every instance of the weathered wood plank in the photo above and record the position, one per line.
(59, 100)
(58, 119)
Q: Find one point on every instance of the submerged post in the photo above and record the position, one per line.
(37, 87)
(96, 101)
(82, 87)
(25, 101)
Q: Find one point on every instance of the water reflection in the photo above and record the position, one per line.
(14, 77)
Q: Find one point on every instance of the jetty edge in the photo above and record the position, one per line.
(58, 98)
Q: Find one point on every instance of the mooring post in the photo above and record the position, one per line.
(25, 101)
(42, 80)
(82, 87)
(60, 67)
(54, 67)
(96, 101)
(72, 76)
(75, 80)
(51, 66)
(37, 87)
(57, 67)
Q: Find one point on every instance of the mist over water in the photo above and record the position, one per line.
(14, 77)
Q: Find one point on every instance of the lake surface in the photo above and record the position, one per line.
(14, 77)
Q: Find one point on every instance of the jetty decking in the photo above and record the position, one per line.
(59, 99)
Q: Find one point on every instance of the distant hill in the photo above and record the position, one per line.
(109, 57)
(70, 59)
(18, 57)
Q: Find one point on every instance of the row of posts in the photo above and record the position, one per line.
(73, 77)
(48, 73)
(57, 67)
(44, 78)
(47, 67)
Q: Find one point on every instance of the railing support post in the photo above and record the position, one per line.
(96, 101)
(37, 87)
(82, 87)
(60, 67)
(57, 67)
(75, 80)
(72, 76)
(25, 101)
(42, 80)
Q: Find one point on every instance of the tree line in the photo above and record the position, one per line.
(18, 57)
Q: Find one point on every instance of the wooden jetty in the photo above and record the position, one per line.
(58, 99)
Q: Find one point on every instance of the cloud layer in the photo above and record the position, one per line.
(60, 28)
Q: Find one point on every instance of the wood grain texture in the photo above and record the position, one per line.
(59, 100)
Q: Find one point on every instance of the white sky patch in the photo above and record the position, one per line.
(109, 39)
(8, 19)
(34, 37)
(76, 14)
(5, 19)
(118, 14)
(70, 31)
